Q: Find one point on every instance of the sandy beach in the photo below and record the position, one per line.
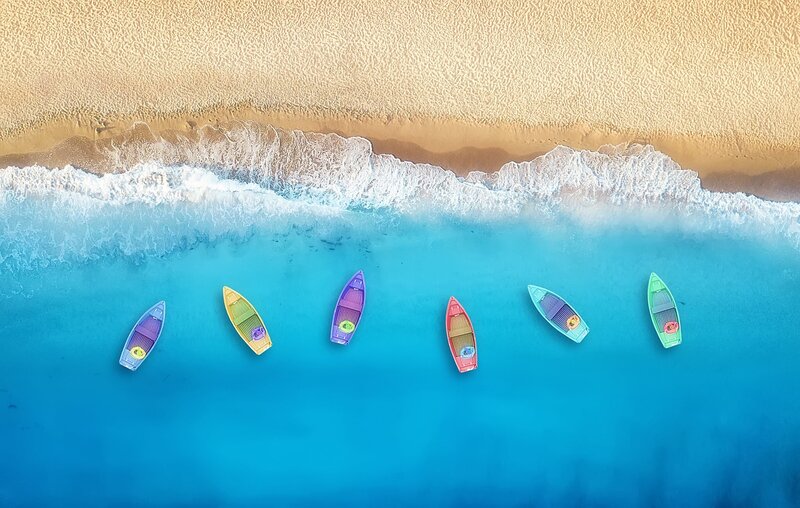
(716, 86)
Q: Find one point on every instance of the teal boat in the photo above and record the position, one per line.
(663, 312)
(558, 313)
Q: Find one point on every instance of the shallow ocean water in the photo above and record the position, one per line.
(614, 421)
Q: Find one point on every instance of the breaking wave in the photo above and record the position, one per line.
(224, 184)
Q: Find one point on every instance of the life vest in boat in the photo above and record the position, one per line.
(671, 327)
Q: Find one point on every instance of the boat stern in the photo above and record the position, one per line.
(128, 361)
(579, 334)
(337, 340)
(466, 365)
(339, 337)
(669, 341)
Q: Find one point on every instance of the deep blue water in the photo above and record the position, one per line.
(388, 421)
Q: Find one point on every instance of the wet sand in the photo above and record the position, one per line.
(714, 86)
(452, 144)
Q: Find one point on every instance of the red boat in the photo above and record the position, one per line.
(461, 337)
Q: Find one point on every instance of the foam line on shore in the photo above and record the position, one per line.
(226, 188)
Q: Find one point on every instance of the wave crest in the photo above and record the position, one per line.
(223, 183)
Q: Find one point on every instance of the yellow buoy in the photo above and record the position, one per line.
(138, 352)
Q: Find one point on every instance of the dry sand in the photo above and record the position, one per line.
(715, 85)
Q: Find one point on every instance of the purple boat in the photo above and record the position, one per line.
(143, 337)
(348, 309)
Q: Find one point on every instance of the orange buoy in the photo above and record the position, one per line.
(573, 322)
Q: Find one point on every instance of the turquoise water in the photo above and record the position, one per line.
(614, 421)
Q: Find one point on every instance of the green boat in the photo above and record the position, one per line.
(663, 312)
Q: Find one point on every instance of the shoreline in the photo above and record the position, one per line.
(714, 86)
(727, 164)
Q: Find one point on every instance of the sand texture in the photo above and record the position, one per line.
(715, 85)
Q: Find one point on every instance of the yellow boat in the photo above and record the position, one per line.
(246, 320)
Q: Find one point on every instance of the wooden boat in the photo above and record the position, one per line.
(558, 313)
(246, 320)
(143, 337)
(461, 337)
(348, 310)
(663, 312)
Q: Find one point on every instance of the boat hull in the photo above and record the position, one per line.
(349, 309)
(143, 337)
(663, 312)
(560, 314)
(246, 321)
(461, 337)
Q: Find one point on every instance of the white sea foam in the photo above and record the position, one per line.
(69, 215)
(225, 185)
